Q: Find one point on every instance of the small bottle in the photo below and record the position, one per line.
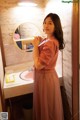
(9, 78)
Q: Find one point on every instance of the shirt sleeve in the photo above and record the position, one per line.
(47, 53)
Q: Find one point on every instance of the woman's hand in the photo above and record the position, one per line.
(36, 41)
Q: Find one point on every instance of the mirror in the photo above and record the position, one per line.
(24, 34)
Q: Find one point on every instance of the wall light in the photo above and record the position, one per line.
(27, 3)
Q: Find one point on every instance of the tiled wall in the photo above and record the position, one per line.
(12, 16)
(67, 56)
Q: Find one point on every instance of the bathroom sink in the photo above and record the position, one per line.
(22, 83)
(19, 78)
(27, 75)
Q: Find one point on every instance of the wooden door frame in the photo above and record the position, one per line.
(2, 49)
(75, 61)
(3, 65)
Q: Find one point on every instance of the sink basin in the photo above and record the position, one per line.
(27, 75)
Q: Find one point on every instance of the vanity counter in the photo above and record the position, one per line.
(19, 86)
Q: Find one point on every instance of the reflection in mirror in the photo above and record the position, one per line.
(24, 34)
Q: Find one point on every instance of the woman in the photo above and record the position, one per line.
(47, 102)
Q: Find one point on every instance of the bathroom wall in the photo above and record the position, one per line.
(12, 15)
(67, 56)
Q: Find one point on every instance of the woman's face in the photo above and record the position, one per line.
(48, 26)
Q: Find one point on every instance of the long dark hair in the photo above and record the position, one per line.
(58, 32)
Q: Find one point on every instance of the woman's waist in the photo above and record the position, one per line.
(45, 70)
